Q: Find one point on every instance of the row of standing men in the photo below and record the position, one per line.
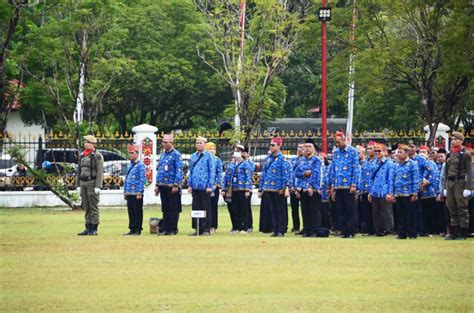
(349, 194)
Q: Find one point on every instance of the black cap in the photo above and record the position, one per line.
(311, 141)
(442, 150)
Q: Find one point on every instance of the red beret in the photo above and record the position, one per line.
(424, 148)
(277, 140)
(339, 134)
(133, 148)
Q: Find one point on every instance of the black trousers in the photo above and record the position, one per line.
(311, 206)
(345, 205)
(250, 215)
(170, 208)
(365, 214)
(279, 211)
(240, 209)
(214, 206)
(135, 213)
(325, 220)
(419, 216)
(265, 223)
(407, 217)
(202, 202)
(382, 215)
(333, 216)
(295, 215)
(428, 207)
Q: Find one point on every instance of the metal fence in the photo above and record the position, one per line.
(60, 150)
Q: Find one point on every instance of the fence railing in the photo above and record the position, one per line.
(60, 150)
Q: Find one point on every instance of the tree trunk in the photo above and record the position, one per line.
(433, 129)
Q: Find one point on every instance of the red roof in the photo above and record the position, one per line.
(15, 105)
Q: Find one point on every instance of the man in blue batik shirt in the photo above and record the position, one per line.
(294, 200)
(382, 213)
(134, 187)
(238, 182)
(309, 172)
(211, 147)
(403, 189)
(344, 180)
(275, 179)
(365, 208)
(201, 182)
(169, 177)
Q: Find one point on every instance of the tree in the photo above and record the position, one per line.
(249, 68)
(162, 81)
(9, 26)
(66, 37)
(424, 45)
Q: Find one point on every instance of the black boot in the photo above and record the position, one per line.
(93, 231)
(462, 233)
(86, 231)
(454, 233)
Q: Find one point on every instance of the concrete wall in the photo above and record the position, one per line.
(25, 199)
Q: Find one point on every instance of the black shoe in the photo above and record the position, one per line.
(347, 237)
(131, 232)
(401, 237)
(86, 231)
(280, 235)
(137, 233)
(273, 235)
(300, 233)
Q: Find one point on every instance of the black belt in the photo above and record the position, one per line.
(456, 177)
(87, 178)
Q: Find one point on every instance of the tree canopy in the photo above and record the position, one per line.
(178, 64)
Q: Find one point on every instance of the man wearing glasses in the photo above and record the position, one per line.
(169, 177)
(380, 178)
(133, 191)
(457, 173)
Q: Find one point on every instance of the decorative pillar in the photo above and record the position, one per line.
(442, 136)
(145, 138)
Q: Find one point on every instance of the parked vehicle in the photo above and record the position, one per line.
(7, 166)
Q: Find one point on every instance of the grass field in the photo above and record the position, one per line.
(46, 267)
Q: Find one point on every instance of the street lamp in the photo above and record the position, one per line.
(324, 15)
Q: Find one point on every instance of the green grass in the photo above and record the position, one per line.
(46, 267)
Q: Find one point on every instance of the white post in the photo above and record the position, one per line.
(145, 138)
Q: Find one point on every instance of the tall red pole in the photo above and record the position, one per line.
(323, 84)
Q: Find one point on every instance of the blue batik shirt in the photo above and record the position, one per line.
(431, 190)
(239, 175)
(405, 179)
(135, 178)
(382, 174)
(169, 171)
(202, 171)
(218, 178)
(346, 169)
(294, 180)
(366, 175)
(324, 192)
(313, 181)
(276, 173)
(422, 164)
